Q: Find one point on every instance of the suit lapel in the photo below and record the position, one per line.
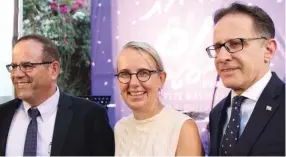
(262, 113)
(63, 119)
(221, 117)
(5, 126)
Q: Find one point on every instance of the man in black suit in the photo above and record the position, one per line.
(42, 120)
(251, 119)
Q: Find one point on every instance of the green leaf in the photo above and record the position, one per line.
(72, 37)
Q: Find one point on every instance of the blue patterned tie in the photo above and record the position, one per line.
(231, 134)
(30, 148)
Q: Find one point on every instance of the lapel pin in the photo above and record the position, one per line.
(268, 108)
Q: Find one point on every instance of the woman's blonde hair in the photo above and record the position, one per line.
(143, 47)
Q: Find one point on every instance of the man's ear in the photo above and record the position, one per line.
(271, 46)
(55, 70)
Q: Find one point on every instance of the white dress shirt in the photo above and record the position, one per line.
(252, 94)
(21, 120)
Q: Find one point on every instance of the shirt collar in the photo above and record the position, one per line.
(256, 89)
(48, 107)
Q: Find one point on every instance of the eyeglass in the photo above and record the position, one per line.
(24, 67)
(232, 46)
(142, 75)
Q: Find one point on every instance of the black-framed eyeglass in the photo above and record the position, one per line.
(25, 66)
(232, 46)
(142, 75)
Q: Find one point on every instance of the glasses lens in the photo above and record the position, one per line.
(234, 45)
(143, 75)
(26, 66)
(9, 67)
(123, 77)
(213, 50)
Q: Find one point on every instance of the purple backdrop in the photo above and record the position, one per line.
(102, 70)
(180, 30)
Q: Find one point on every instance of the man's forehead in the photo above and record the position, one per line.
(26, 56)
(233, 26)
(28, 44)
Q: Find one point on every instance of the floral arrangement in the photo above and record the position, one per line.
(67, 23)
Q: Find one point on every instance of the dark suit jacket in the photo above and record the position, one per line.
(264, 133)
(81, 128)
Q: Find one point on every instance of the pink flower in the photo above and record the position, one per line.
(75, 7)
(81, 3)
(64, 9)
(54, 6)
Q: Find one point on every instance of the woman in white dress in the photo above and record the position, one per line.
(152, 129)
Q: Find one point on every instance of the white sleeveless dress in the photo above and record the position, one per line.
(156, 136)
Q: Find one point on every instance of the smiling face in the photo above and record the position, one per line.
(36, 85)
(241, 69)
(136, 94)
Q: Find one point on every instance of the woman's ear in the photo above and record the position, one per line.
(163, 76)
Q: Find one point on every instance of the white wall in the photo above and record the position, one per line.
(6, 31)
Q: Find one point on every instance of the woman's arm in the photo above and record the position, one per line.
(189, 140)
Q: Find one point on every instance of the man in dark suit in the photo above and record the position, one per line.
(251, 119)
(43, 120)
